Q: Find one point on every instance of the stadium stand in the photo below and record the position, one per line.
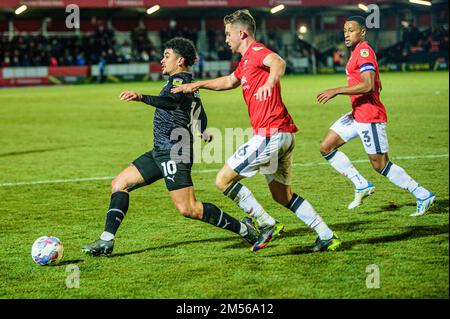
(126, 36)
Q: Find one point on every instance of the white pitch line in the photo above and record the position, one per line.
(55, 181)
(75, 180)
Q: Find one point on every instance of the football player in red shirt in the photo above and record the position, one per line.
(367, 120)
(270, 150)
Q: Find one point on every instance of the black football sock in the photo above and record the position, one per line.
(118, 207)
(215, 216)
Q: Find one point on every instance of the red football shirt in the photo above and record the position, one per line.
(266, 116)
(367, 108)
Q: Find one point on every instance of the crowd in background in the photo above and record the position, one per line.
(102, 47)
(98, 47)
(416, 46)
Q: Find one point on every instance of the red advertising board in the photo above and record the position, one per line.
(68, 71)
(23, 82)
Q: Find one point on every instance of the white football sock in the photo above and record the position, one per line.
(399, 177)
(344, 166)
(304, 211)
(244, 198)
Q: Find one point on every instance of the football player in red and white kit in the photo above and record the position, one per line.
(270, 149)
(367, 120)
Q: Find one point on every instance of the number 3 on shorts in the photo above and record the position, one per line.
(169, 167)
(366, 137)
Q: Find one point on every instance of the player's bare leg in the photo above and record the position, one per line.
(378, 161)
(186, 203)
(342, 164)
(227, 181)
(122, 184)
(399, 177)
(332, 141)
(283, 195)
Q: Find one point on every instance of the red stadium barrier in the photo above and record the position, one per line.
(28, 25)
(3, 26)
(155, 67)
(156, 24)
(125, 24)
(23, 82)
(68, 71)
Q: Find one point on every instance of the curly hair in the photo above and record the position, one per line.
(184, 48)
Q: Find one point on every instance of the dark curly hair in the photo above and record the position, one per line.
(184, 48)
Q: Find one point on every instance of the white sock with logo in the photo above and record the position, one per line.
(344, 166)
(399, 177)
(304, 211)
(244, 198)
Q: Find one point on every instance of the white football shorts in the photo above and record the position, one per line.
(271, 156)
(373, 135)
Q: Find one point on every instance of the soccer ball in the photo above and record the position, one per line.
(47, 250)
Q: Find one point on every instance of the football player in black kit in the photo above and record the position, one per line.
(172, 155)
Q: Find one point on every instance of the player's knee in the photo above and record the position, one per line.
(221, 182)
(377, 165)
(118, 184)
(325, 149)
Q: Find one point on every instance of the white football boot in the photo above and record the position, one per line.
(360, 194)
(423, 205)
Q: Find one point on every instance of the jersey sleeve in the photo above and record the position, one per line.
(238, 72)
(366, 60)
(161, 102)
(261, 53)
(166, 100)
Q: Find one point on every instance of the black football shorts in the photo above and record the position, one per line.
(155, 165)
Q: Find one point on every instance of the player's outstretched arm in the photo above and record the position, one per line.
(130, 96)
(223, 83)
(277, 68)
(366, 85)
(170, 102)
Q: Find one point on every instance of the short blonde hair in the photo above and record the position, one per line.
(242, 17)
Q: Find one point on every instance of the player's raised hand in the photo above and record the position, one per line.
(130, 96)
(324, 96)
(263, 92)
(185, 88)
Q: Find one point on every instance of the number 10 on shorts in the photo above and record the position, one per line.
(169, 168)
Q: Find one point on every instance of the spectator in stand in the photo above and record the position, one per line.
(337, 57)
(417, 48)
(125, 51)
(6, 62)
(201, 65)
(443, 46)
(80, 61)
(53, 61)
(102, 67)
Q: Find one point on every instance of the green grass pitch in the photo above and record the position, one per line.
(72, 132)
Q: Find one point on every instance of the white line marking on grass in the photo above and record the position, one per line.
(87, 179)
(55, 181)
